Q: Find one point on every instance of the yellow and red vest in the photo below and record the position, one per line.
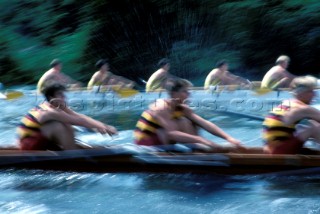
(29, 125)
(274, 129)
(147, 125)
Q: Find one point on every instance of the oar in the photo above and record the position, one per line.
(120, 91)
(124, 92)
(11, 95)
(262, 91)
(259, 118)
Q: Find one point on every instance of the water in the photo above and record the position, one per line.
(37, 191)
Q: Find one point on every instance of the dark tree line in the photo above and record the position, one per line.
(135, 34)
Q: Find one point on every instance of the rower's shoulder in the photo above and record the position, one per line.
(97, 74)
(160, 72)
(50, 74)
(214, 71)
(45, 74)
(158, 75)
(277, 69)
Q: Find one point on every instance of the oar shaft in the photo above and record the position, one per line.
(255, 117)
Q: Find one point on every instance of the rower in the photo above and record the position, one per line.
(104, 78)
(48, 125)
(168, 121)
(160, 77)
(282, 132)
(278, 76)
(54, 74)
(221, 76)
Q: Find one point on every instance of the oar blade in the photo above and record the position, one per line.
(125, 92)
(262, 91)
(11, 95)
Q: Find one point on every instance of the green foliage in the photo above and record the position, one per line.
(32, 39)
(134, 35)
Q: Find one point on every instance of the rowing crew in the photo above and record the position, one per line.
(168, 121)
(171, 120)
(276, 77)
(103, 79)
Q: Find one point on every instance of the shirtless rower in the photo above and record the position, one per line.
(221, 76)
(104, 78)
(48, 125)
(278, 76)
(168, 121)
(54, 74)
(159, 78)
(282, 132)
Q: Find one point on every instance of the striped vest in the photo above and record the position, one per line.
(147, 125)
(29, 125)
(274, 129)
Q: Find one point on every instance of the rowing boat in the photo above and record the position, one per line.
(131, 158)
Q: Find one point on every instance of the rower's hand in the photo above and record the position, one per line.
(106, 129)
(235, 142)
(111, 130)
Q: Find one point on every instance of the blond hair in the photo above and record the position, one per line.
(303, 83)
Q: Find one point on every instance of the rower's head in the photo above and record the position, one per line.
(56, 64)
(303, 88)
(54, 93)
(283, 61)
(102, 65)
(178, 89)
(222, 65)
(164, 63)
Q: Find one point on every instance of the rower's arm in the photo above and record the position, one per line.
(281, 79)
(207, 125)
(175, 135)
(69, 80)
(237, 79)
(89, 119)
(124, 81)
(183, 137)
(75, 119)
(298, 114)
(212, 128)
(284, 82)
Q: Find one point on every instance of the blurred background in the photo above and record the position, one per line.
(135, 34)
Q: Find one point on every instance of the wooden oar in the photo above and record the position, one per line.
(11, 95)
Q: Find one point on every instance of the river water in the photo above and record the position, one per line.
(38, 191)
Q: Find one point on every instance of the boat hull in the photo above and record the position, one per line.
(128, 160)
